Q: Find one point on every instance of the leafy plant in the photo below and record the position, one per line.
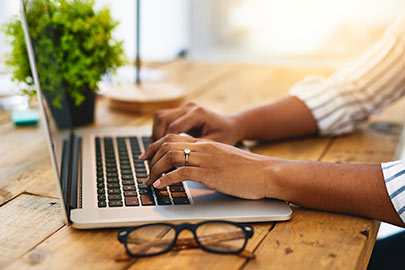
(73, 47)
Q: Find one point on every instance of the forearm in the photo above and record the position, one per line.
(286, 118)
(351, 189)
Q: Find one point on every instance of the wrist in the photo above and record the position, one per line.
(274, 185)
(239, 126)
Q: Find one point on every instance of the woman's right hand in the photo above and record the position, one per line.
(197, 122)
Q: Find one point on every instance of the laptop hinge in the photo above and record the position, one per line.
(71, 172)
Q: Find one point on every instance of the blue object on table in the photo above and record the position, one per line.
(25, 117)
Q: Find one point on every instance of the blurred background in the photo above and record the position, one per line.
(311, 32)
(288, 33)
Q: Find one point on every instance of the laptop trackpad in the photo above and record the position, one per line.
(201, 193)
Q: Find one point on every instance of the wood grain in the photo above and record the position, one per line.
(26, 221)
(328, 240)
(365, 146)
(22, 150)
(74, 249)
(315, 240)
(246, 86)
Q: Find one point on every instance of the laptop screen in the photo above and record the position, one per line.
(48, 70)
(48, 66)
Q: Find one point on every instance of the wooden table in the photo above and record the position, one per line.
(33, 236)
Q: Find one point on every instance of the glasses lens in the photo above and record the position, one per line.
(221, 237)
(150, 240)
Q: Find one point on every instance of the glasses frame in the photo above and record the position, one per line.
(247, 230)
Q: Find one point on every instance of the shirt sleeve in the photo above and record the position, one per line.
(351, 95)
(394, 175)
(375, 80)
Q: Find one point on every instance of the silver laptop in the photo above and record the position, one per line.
(99, 177)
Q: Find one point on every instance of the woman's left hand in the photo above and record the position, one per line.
(222, 167)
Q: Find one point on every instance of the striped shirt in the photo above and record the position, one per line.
(351, 95)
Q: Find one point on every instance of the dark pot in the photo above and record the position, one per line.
(69, 115)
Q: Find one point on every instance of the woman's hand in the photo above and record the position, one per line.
(218, 166)
(198, 122)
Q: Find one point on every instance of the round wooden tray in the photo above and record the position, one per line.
(145, 98)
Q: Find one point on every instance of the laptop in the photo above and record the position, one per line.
(99, 177)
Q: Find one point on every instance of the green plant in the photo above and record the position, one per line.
(73, 46)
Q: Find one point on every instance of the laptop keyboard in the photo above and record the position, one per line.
(120, 176)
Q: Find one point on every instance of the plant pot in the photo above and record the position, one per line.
(69, 115)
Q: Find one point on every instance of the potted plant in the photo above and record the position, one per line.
(73, 47)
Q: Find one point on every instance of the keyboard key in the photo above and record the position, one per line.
(164, 201)
(127, 177)
(100, 174)
(140, 170)
(141, 180)
(130, 193)
(139, 165)
(111, 170)
(100, 180)
(125, 167)
(141, 175)
(179, 195)
(112, 180)
(145, 191)
(128, 182)
(113, 185)
(181, 201)
(139, 161)
(102, 204)
(162, 193)
(115, 203)
(126, 172)
(143, 186)
(177, 189)
(111, 175)
(160, 189)
(147, 200)
(126, 188)
(131, 201)
(114, 191)
(111, 165)
(114, 197)
(100, 185)
(100, 191)
(101, 197)
(124, 160)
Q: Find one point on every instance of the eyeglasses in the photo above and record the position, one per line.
(223, 237)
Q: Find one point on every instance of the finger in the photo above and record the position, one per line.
(154, 147)
(172, 146)
(192, 119)
(163, 118)
(173, 158)
(179, 175)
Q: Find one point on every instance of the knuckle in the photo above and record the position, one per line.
(171, 156)
(190, 104)
(165, 146)
(170, 137)
(172, 128)
(160, 115)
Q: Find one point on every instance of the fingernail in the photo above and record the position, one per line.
(156, 184)
(141, 156)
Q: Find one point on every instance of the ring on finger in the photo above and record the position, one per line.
(187, 152)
